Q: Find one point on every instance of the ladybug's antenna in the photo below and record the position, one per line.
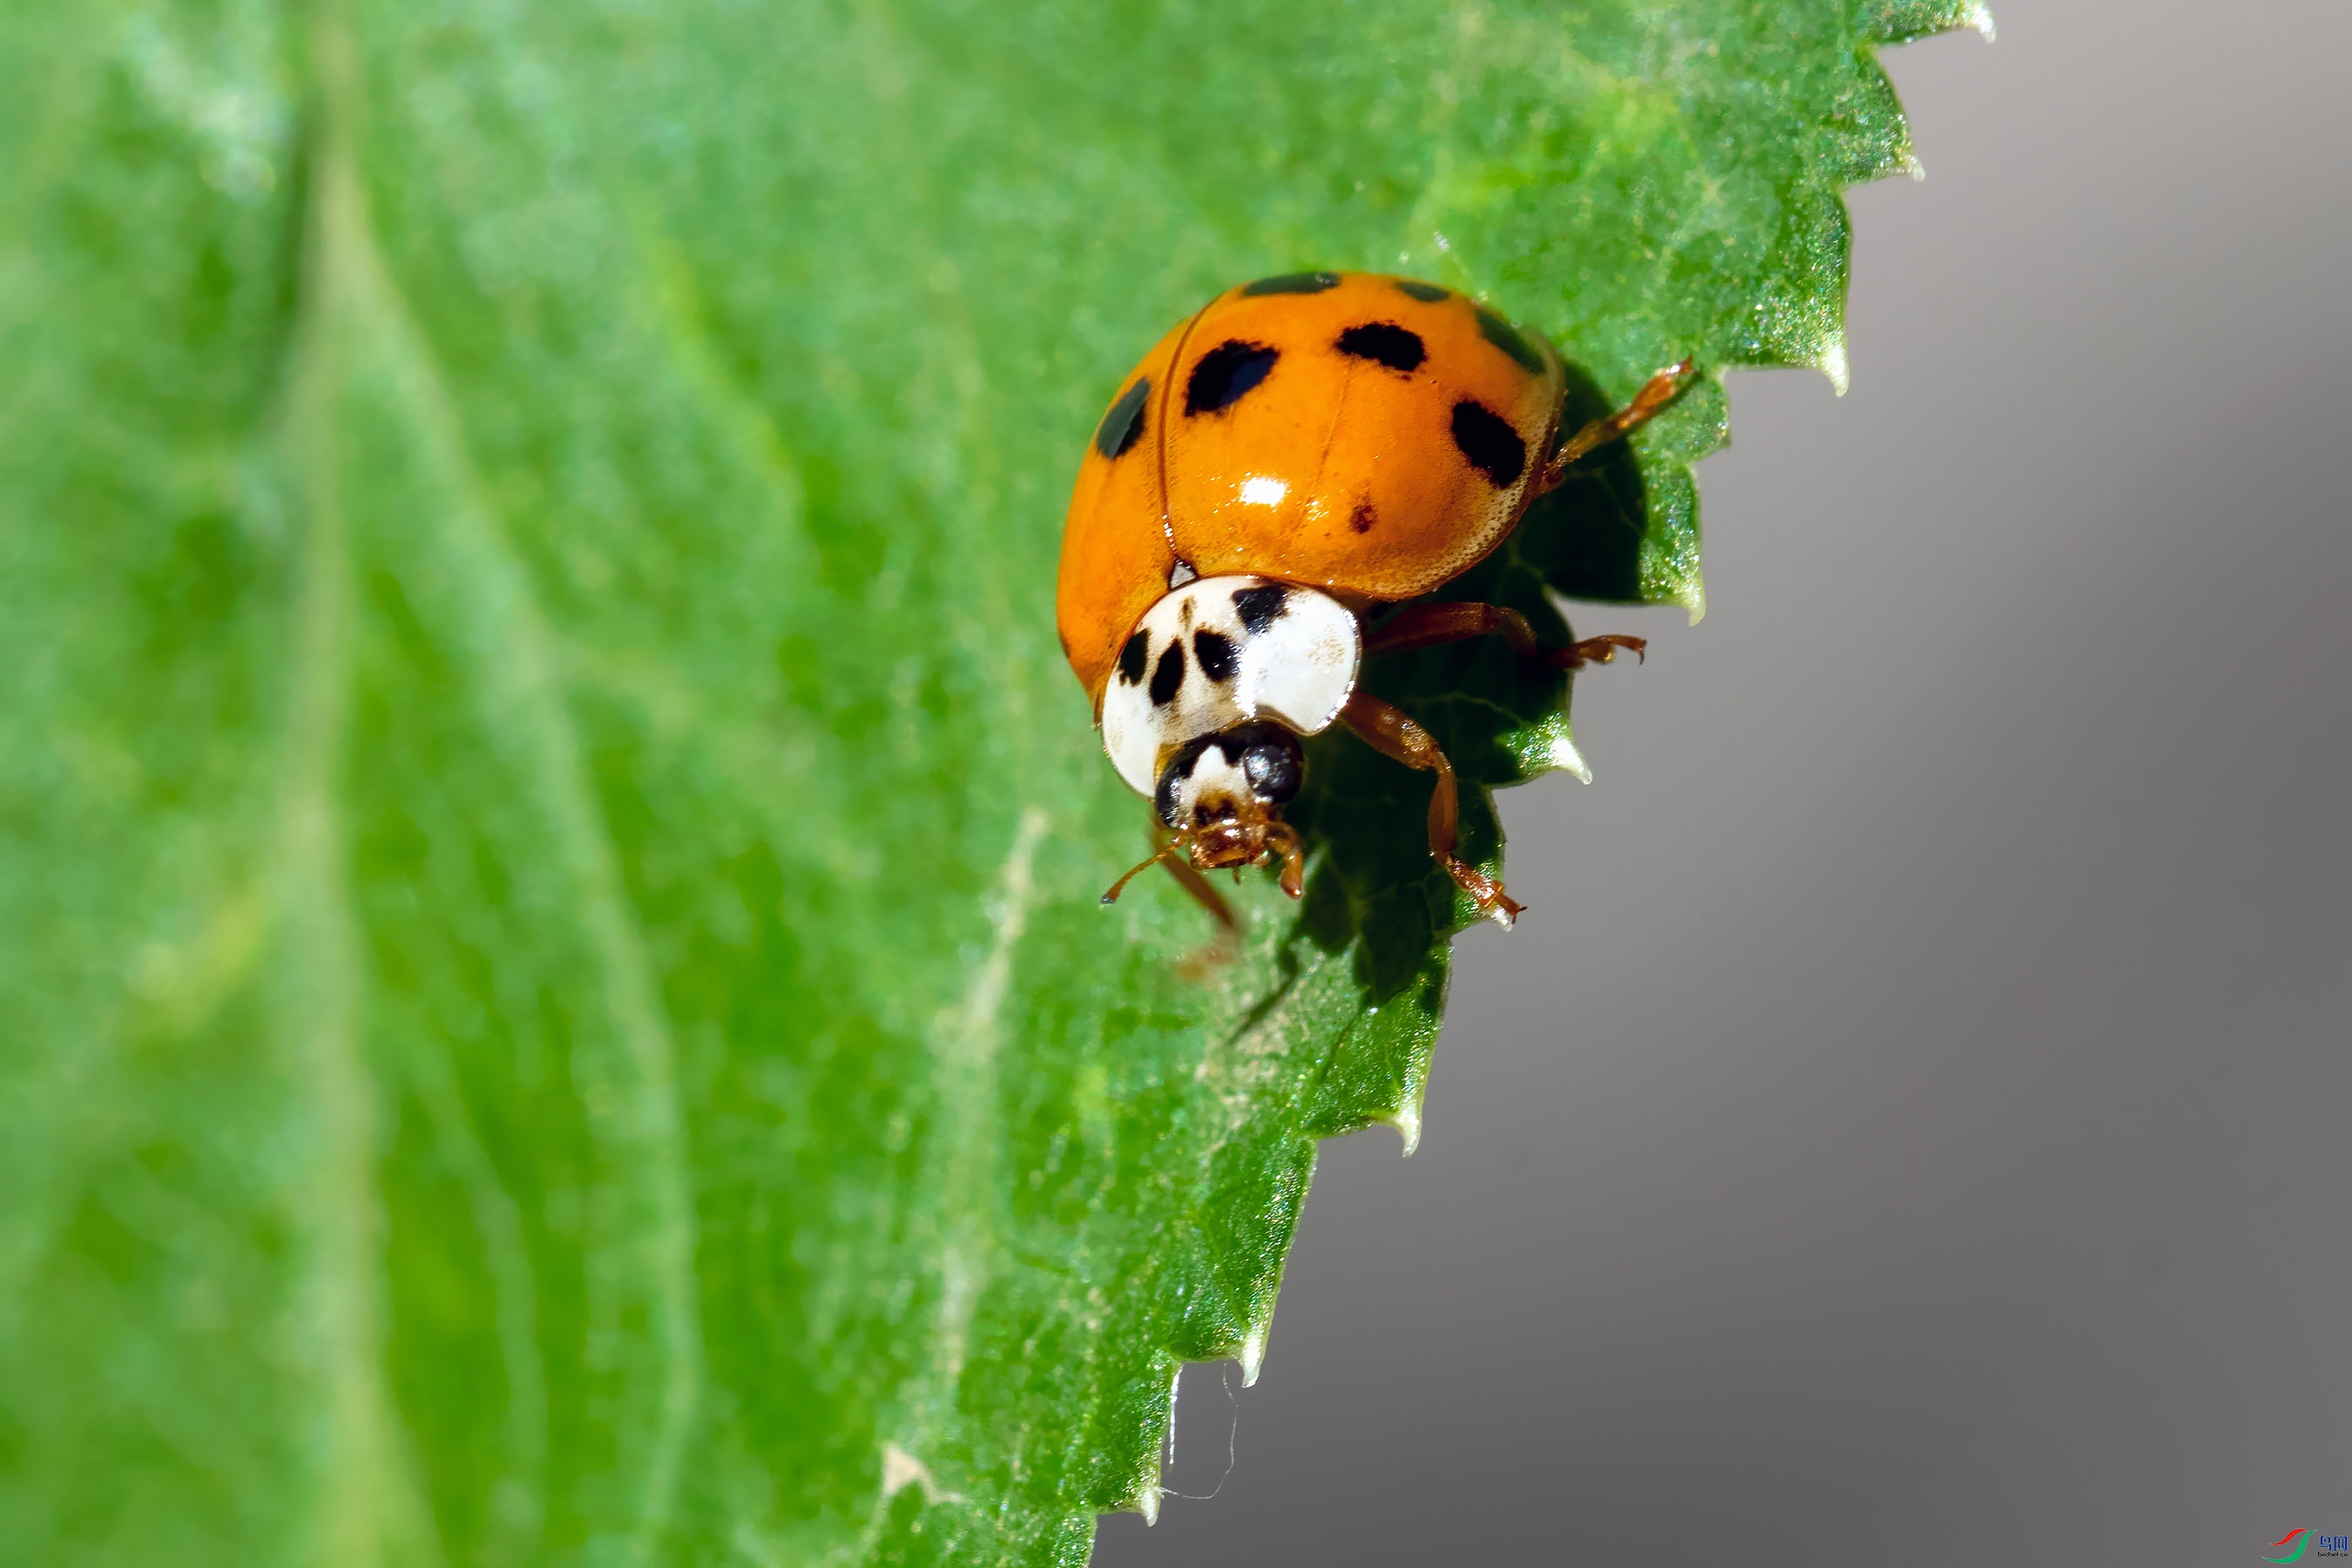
(1164, 852)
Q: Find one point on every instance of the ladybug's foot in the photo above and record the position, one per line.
(1388, 730)
(1598, 650)
(1284, 841)
(1486, 893)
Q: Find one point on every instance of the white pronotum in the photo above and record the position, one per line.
(1221, 651)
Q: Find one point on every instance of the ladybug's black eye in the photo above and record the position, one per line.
(1272, 771)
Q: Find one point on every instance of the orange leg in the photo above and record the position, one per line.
(1225, 940)
(1656, 393)
(1170, 849)
(1389, 731)
(1428, 623)
(1188, 876)
(1284, 841)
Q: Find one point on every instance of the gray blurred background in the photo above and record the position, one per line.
(1913, 1123)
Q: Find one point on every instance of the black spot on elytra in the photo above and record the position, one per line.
(1167, 675)
(1383, 343)
(1508, 339)
(1293, 283)
(1123, 426)
(1364, 517)
(1261, 607)
(1488, 439)
(1131, 657)
(1215, 652)
(1224, 373)
(1427, 293)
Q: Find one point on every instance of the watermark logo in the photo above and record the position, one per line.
(2296, 1543)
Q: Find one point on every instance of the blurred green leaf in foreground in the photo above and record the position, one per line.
(555, 1007)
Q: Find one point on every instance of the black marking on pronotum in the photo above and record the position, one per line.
(1224, 373)
(1292, 283)
(1167, 675)
(1131, 657)
(1427, 293)
(1261, 607)
(1215, 652)
(1488, 439)
(1507, 338)
(1383, 343)
(1364, 517)
(1123, 426)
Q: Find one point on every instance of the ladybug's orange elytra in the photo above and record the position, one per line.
(1304, 449)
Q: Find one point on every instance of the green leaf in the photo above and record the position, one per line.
(555, 1006)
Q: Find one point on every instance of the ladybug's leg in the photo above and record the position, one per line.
(1284, 841)
(1656, 394)
(1389, 731)
(1225, 940)
(1188, 876)
(1433, 622)
(1169, 853)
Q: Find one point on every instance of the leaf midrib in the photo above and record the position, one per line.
(350, 309)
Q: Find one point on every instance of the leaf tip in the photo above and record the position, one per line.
(1569, 760)
(1832, 363)
(1980, 19)
(1407, 1121)
(1252, 1353)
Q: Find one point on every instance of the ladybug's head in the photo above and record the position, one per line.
(1237, 777)
(1205, 706)
(1224, 793)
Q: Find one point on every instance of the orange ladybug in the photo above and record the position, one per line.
(1305, 451)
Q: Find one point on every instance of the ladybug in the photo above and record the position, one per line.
(1303, 453)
